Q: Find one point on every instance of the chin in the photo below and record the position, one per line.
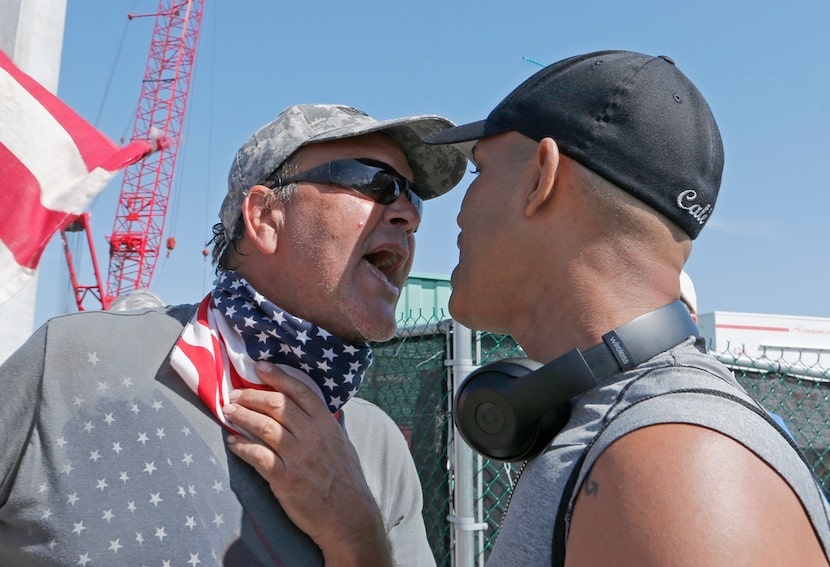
(469, 323)
(456, 302)
(381, 332)
(458, 314)
(374, 328)
(468, 315)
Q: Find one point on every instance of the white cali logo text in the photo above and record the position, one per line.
(686, 201)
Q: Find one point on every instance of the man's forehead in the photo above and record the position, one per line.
(494, 145)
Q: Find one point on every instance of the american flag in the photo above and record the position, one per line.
(235, 326)
(52, 163)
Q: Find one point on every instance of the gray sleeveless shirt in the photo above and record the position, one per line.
(681, 385)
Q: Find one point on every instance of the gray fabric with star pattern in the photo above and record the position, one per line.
(110, 459)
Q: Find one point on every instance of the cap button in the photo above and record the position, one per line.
(666, 58)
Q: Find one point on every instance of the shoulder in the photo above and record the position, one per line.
(363, 417)
(684, 457)
(686, 365)
(164, 320)
(181, 312)
(141, 340)
(687, 495)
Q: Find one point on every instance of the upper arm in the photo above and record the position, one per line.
(393, 479)
(677, 494)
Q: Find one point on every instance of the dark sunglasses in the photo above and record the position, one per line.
(374, 179)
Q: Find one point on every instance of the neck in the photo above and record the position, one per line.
(587, 303)
(267, 332)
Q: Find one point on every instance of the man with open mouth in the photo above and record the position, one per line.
(220, 436)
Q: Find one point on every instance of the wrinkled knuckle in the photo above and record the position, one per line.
(270, 429)
(262, 461)
(259, 454)
(276, 401)
(307, 395)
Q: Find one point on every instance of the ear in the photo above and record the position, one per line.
(546, 162)
(261, 222)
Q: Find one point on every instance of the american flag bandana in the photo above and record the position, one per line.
(235, 326)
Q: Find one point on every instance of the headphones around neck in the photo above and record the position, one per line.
(511, 410)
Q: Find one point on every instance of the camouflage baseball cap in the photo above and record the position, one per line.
(437, 169)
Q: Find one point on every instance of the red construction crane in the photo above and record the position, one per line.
(135, 242)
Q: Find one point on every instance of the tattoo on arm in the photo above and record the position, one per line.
(591, 486)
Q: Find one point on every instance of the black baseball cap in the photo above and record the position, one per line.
(634, 119)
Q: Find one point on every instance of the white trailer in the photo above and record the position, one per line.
(792, 342)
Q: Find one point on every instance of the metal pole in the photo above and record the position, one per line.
(462, 517)
(31, 34)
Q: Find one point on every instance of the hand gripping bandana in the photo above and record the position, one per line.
(235, 326)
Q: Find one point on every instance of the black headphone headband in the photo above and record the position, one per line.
(510, 410)
(628, 346)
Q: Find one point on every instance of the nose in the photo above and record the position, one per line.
(402, 212)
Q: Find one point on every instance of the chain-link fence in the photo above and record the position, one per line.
(411, 379)
(795, 391)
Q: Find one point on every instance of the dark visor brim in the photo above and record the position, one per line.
(458, 134)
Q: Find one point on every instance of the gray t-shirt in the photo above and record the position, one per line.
(110, 459)
(682, 385)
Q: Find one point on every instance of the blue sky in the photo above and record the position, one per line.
(762, 66)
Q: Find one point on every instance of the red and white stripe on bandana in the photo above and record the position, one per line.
(206, 364)
(52, 163)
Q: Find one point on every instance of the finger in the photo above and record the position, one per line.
(275, 403)
(306, 399)
(255, 409)
(269, 416)
(266, 462)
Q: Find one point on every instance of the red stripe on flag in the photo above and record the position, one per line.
(206, 351)
(218, 364)
(39, 190)
(202, 358)
(94, 148)
(25, 225)
(237, 380)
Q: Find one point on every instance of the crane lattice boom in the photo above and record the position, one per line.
(142, 206)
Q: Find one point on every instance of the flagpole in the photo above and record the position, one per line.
(31, 34)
